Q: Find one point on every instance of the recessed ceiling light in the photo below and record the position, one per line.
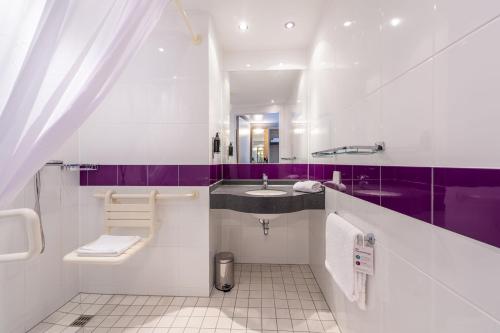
(174, 77)
(348, 23)
(248, 65)
(272, 101)
(395, 21)
(161, 49)
(289, 25)
(243, 26)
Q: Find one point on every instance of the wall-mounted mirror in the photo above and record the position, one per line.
(268, 118)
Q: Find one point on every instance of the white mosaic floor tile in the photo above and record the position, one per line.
(265, 299)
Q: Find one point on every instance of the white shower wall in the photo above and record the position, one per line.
(163, 111)
(421, 76)
(30, 291)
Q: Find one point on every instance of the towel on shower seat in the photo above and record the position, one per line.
(108, 246)
(308, 186)
(341, 238)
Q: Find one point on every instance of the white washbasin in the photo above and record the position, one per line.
(265, 193)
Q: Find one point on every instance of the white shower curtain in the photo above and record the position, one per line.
(58, 60)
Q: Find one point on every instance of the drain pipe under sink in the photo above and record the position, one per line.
(265, 226)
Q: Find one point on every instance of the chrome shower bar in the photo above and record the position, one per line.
(72, 167)
(359, 150)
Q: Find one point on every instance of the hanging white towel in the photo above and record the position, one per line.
(308, 186)
(108, 246)
(341, 238)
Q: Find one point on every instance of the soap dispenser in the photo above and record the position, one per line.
(216, 144)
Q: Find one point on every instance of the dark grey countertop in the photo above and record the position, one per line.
(232, 195)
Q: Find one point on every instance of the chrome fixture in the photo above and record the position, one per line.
(366, 239)
(38, 209)
(370, 239)
(360, 150)
(72, 167)
(264, 181)
(293, 158)
(265, 226)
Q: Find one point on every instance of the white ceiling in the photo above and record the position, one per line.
(266, 19)
(260, 87)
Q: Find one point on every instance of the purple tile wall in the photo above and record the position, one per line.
(194, 175)
(132, 175)
(163, 175)
(273, 171)
(366, 183)
(465, 201)
(407, 190)
(152, 175)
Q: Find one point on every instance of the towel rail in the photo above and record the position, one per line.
(360, 150)
(159, 196)
(369, 237)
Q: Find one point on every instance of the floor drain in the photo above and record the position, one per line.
(81, 321)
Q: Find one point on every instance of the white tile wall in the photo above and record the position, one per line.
(175, 263)
(287, 242)
(163, 110)
(157, 113)
(424, 281)
(427, 88)
(29, 291)
(466, 100)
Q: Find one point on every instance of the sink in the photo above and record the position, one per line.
(265, 193)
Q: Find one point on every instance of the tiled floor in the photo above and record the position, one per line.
(266, 298)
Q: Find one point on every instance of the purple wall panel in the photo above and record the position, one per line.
(103, 176)
(366, 183)
(132, 175)
(163, 175)
(83, 178)
(273, 171)
(194, 175)
(467, 201)
(408, 190)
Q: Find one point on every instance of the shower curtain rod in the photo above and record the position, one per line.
(195, 38)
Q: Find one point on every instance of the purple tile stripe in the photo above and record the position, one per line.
(407, 190)
(273, 171)
(467, 201)
(152, 175)
(464, 201)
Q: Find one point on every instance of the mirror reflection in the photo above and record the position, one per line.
(268, 116)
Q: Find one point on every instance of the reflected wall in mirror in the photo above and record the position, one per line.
(268, 118)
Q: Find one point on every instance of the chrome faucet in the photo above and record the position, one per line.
(264, 181)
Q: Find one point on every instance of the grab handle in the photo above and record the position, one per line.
(32, 227)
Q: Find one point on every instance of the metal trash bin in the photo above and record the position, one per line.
(224, 271)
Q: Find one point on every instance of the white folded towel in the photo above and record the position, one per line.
(308, 186)
(341, 238)
(108, 246)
